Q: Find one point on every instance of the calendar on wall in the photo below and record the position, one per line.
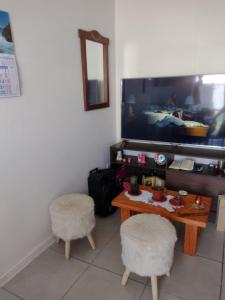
(9, 79)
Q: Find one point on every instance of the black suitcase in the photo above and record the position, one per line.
(103, 188)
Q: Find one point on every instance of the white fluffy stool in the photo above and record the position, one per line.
(147, 247)
(72, 217)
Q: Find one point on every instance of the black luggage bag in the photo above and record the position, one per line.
(103, 188)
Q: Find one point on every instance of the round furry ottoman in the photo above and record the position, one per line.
(72, 217)
(147, 247)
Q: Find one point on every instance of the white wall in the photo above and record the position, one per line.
(157, 38)
(48, 143)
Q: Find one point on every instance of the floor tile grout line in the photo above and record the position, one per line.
(166, 291)
(146, 283)
(73, 284)
(204, 257)
(82, 260)
(106, 244)
(222, 269)
(160, 290)
(142, 293)
(171, 294)
(13, 294)
(99, 267)
(72, 257)
(86, 270)
(118, 274)
(210, 259)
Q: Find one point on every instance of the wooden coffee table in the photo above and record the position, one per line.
(193, 224)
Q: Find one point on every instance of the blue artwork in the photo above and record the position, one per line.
(6, 42)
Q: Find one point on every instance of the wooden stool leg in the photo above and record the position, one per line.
(91, 241)
(154, 287)
(67, 250)
(125, 277)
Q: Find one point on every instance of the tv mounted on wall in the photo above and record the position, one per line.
(186, 110)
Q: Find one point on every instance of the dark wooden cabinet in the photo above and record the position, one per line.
(198, 183)
(195, 183)
(207, 185)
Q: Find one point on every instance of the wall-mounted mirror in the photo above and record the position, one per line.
(95, 70)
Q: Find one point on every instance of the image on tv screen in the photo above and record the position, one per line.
(181, 110)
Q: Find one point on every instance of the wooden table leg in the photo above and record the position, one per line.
(125, 213)
(199, 231)
(190, 239)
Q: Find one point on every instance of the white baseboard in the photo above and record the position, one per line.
(4, 278)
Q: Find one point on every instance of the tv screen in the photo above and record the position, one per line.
(181, 110)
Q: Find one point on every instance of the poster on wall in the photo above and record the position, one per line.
(9, 79)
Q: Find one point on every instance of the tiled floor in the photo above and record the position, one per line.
(96, 275)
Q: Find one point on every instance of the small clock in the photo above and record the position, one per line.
(160, 158)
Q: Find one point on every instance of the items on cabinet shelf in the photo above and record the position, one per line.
(141, 158)
(186, 164)
(152, 181)
(213, 169)
(198, 168)
(119, 156)
(129, 160)
(137, 163)
(160, 159)
(222, 167)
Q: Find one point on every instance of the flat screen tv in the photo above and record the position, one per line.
(186, 110)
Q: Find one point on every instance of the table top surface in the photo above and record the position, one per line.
(123, 201)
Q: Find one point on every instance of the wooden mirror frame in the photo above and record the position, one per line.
(94, 36)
